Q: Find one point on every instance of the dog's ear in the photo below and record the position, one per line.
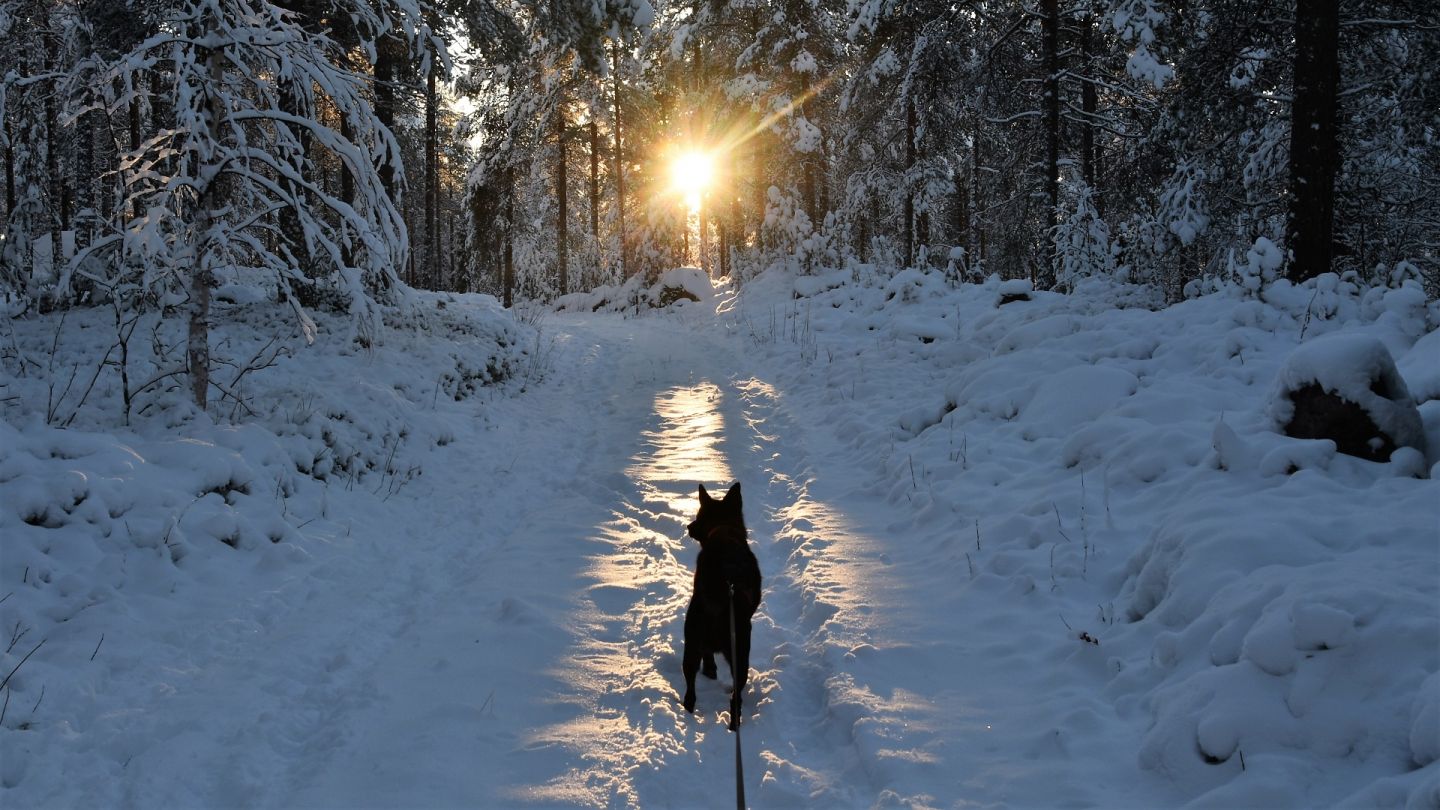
(733, 496)
(704, 496)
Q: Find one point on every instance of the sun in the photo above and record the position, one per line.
(691, 174)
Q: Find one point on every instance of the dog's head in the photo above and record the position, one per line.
(718, 513)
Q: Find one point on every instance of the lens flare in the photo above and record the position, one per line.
(691, 174)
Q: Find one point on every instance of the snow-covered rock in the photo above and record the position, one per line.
(1346, 388)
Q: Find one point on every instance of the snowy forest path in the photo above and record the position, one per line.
(547, 670)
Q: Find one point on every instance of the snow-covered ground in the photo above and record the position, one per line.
(1052, 553)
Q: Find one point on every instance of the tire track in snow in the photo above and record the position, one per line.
(637, 747)
(803, 709)
(809, 757)
(879, 696)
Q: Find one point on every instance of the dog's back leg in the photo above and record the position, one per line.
(691, 665)
(741, 666)
(707, 665)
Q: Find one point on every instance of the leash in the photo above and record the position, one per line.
(735, 681)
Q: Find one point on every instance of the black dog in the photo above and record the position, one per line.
(725, 561)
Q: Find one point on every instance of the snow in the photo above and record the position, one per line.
(1051, 552)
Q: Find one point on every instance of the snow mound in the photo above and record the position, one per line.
(1283, 642)
(911, 285)
(1076, 396)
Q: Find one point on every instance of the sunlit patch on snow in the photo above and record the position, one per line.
(627, 726)
(685, 448)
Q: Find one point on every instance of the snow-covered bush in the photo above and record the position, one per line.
(1082, 239)
(791, 239)
(108, 368)
(1179, 215)
(1260, 266)
(1011, 290)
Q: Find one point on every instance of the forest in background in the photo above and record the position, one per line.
(333, 153)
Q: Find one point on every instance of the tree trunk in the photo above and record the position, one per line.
(347, 180)
(874, 221)
(704, 237)
(960, 213)
(762, 188)
(9, 169)
(736, 229)
(56, 208)
(347, 185)
(595, 182)
(619, 159)
(432, 182)
(134, 125)
(86, 183)
(909, 192)
(452, 255)
(1088, 105)
(292, 102)
(862, 236)
(922, 235)
(723, 246)
(134, 118)
(975, 247)
(1051, 25)
(562, 184)
(807, 162)
(1314, 140)
(387, 59)
(202, 276)
(508, 279)
(823, 158)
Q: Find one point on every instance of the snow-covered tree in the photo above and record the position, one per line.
(1082, 240)
(244, 79)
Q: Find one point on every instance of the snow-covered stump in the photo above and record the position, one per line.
(1346, 388)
